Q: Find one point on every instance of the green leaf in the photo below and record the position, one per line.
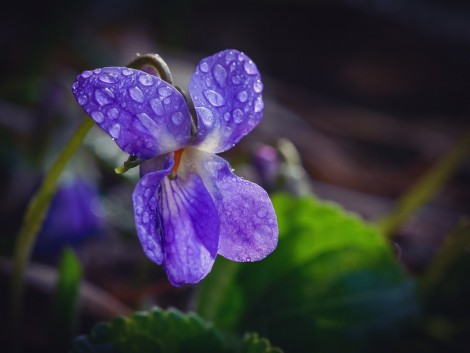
(165, 331)
(332, 281)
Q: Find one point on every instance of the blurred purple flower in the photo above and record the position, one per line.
(188, 204)
(71, 220)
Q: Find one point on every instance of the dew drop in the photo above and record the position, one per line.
(165, 91)
(145, 218)
(206, 116)
(214, 98)
(258, 86)
(220, 74)
(146, 80)
(227, 131)
(97, 71)
(86, 74)
(227, 116)
(139, 204)
(157, 106)
(97, 116)
(126, 71)
(82, 99)
(115, 131)
(230, 56)
(204, 66)
(148, 123)
(262, 212)
(106, 78)
(236, 79)
(242, 96)
(208, 82)
(167, 101)
(104, 96)
(112, 113)
(75, 86)
(259, 105)
(238, 115)
(136, 94)
(248, 259)
(250, 67)
(177, 118)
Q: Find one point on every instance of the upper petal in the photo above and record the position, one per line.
(191, 229)
(248, 223)
(145, 115)
(146, 197)
(226, 92)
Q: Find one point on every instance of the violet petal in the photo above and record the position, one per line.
(248, 224)
(226, 91)
(146, 197)
(191, 229)
(144, 115)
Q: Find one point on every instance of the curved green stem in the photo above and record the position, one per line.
(426, 187)
(35, 214)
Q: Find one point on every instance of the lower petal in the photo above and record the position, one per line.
(145, 198)
(191, 229)
(248, 224)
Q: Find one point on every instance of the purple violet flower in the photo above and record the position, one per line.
(188, 204)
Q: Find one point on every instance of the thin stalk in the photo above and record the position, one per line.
(35, 215)
(427, 187)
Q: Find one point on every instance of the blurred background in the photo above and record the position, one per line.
(371, 93)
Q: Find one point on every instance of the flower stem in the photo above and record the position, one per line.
(35, 214)
(426, 187)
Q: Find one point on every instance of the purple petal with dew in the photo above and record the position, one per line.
(146, 197)
(248, 224)
(226, 92)
(191, 229)
(144, 115)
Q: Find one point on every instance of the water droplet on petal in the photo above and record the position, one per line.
(227, 116)
(236, 79)
(165, 91)
(220, 74)
(75, 86)
(206, 116)
(258, 86)
(106, 78)
(148, 123)
(136, 94)
(167, 101)
(208, 82)
(112, 113)
(237, 115)
(145, 218)
(230, 56)
(248, 259)
(262, 212)
(139, 204)
(82, 99)
(97, 71)
(146, 80)
(227, 131)
(157, 106)
(214, 98)
(104, 96)
(86, 74)
(259, 105)
(126, 71)
(177, 118)
(250, 67)
(242, 96)
(97, 116)
(115, 131)
(204, 66)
